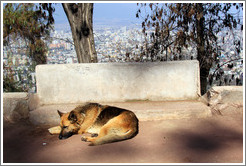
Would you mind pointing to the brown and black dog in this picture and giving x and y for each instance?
(106, 124)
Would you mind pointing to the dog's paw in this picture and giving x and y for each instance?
(55, 130)
(84, 139)
(94, 135)
(92, 144)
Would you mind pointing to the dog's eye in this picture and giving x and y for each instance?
(64, 127)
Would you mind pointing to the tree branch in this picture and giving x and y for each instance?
(225, 64)
(66, 40)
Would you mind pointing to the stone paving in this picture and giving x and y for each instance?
(210, 130)
(215, 139)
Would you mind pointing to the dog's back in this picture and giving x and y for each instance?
(112, 124)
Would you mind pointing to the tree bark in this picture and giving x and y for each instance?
(201, 54)
(80, 17)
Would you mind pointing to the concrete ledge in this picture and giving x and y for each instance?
(47, 114)
(145, 110)
(154, 110)
(15, 95)
(117, 82)
(15, 106)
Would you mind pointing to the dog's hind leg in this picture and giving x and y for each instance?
(111, 137)
(117, 129)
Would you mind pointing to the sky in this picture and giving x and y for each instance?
(112, 13)
(105, 13)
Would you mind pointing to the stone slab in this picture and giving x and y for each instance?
(117, 82)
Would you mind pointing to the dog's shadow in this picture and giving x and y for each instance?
(112, 151)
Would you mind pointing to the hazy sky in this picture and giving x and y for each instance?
(104, 12)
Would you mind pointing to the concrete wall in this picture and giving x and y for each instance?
(117, 82)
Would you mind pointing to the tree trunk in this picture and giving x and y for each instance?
(80, 19)
(201, 54)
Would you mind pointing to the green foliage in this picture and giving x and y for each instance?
(26, 27)
(9, 85)
(33, 25)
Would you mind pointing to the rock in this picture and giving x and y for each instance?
(15, 107)
(224, 100)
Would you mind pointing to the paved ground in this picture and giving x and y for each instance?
(217, 139)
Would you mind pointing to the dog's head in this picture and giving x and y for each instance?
(69, 124)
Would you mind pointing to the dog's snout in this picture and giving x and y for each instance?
(60, 137)
(65, 136)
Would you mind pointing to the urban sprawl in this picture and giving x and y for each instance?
(113, 44)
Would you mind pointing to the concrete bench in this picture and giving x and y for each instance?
(144, 88)
(153, 91)
(117, 82)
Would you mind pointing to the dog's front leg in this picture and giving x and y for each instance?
(85, 126)
(81, 131)
(88, 138)
(55, 130)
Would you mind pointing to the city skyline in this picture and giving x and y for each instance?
(114, 42)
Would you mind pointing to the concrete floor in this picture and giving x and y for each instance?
(216, 139)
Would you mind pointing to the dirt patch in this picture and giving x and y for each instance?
(218, 139)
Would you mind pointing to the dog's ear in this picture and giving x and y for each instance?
(83, 114)
(72, 117)
(60, 113)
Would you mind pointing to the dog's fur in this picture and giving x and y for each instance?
(105, 123)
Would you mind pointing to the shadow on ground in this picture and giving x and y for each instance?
(209, 141)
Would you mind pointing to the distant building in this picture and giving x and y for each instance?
(69, 60)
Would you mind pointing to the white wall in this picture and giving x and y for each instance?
(117, 82)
